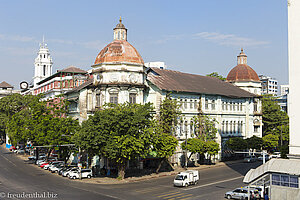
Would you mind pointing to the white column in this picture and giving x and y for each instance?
(294, 74)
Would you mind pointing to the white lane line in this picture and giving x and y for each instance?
(8, 160)
(96, 192)
(200, 186)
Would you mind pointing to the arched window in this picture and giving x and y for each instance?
(213, 104)
(206, 104)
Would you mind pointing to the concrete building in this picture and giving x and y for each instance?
(280, 177)
(120, 75)
(284, 90)
(269, 85)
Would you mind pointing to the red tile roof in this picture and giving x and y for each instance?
(242, 72)
(119, 51)
(4, 84)
(72, 69)
(176, 81)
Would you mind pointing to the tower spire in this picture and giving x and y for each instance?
(120, 32)
(242, 58)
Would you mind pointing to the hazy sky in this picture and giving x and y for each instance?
(194, 36)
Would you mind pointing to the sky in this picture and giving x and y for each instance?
(192, 36)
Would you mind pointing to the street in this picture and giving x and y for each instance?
(18, 176)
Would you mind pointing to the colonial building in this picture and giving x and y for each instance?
(119, 75)
(243, 76)
(49, 84)
(6, 89)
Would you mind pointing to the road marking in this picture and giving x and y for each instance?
(147, 190)
(96, 192)
(9, 160)
(168, 194)
(200, 186)
(177, 196)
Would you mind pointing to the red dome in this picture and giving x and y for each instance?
(242, 72)
(119, 51)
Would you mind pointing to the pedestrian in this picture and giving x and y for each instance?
(266, 197)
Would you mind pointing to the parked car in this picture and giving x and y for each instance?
(20, 151)
(275, 155)
(34, 157)
(267, 157)
(249, 159)
(66, 168)
(66, 173)
(12, 148)
(51, 163)
(54, 164)
(85, 173)
(186, 178)
(56, 168)
(238, 193)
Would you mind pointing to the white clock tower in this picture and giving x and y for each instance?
(43, 64)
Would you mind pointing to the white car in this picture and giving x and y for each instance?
(66, 173)
(54, 167)
(52, 164)
(85, 173)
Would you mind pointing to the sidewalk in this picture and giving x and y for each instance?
(108, 180)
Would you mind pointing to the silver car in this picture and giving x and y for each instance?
(238, 193)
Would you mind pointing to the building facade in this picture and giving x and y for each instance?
(6, 89)
(120, 75)
(269, 85)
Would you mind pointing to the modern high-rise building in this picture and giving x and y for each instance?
(269, 85)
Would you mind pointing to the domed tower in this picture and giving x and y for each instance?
(244, 76)
(119, 70)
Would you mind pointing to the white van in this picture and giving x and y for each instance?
(186, 178)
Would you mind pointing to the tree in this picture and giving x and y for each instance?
(273, 117)
(164, 144)
(212, 148)
(204, 127)
(194, 145)
(276, 123)
(169, 114)
(40, 123)
(270, 142)
(254, 142)
(119, 132)
(216, 75)
(236, 144)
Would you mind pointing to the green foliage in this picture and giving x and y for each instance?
(41, 124)
(216, 75)
(194, 145)
(169, 113)
(204, 127)
(120, 132)
(163, 143)
(212, 147)
(270, 142)
(236, 144)
(254, 142)
(274, 118)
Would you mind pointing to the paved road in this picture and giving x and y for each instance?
(17, 176)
